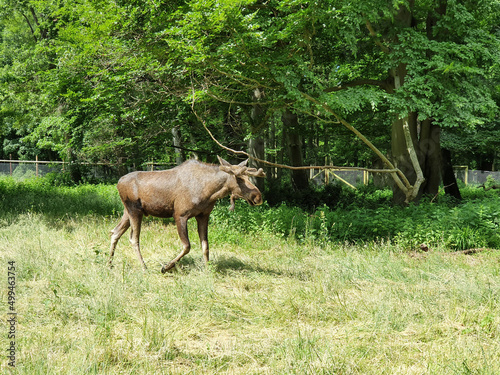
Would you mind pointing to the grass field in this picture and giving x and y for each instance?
(266, 304)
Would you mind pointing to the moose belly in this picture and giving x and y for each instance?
(158, 209)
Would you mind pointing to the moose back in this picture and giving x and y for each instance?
(188, 190)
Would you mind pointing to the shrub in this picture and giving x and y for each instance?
(359, 217)
(458, 226)
(38, 195)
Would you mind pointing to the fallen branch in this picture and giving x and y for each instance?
(489, 187)
(470, 251)
(435, 196)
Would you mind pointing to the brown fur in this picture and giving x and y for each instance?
(189, 190)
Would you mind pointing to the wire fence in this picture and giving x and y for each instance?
(474, 177)
(22, 169)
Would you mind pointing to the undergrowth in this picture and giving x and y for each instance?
(358, 217)
(441, 223)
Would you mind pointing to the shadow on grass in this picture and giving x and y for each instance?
(230, 265)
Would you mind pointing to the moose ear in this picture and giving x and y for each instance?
(222, 161)
(243, 163)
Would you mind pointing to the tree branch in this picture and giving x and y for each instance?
(284, 166)
(43, 32)
(414, 161)
(376, 39)
(31, 27)
(385, 85)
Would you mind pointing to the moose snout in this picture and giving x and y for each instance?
(255, 199)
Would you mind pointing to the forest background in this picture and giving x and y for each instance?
(407, 86)
(352, 285)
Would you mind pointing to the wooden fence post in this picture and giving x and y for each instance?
(36, 165)
(10, 164)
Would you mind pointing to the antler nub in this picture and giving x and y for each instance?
(255, 173)
(240, 169)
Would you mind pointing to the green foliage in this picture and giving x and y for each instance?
(457, 226)
(38, 195)
(110, 80)
(359, 217)
(331, 195)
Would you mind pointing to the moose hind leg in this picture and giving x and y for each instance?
(203, 233)
(183, 234)
(135, 223)
(116, 233)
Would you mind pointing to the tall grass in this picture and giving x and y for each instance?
(264, 305)
(275, 299)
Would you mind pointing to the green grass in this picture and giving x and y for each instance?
(266, 304)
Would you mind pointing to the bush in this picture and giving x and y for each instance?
(38, 195)
(445, 223)
(356, 217)
(332, 195)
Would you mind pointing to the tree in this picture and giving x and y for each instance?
(116, 80)
(86, 82)
(427, 63)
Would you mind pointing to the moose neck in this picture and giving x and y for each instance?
(225, 185)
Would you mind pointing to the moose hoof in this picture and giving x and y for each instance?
(167, 267)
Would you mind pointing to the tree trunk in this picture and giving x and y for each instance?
(256, 149)
(300, 179)
(404, 135)
(400, 155)
(271, 144)
(426, 144)
(449, 179)
(430, 149)
(256, 143)
(176, 137)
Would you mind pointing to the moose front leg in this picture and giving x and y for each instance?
(183, 234)
(203, 233)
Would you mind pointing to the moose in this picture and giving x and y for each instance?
(188, 190)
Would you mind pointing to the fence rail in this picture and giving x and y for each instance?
(38, 168)
(101, 171)
(12, 165)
